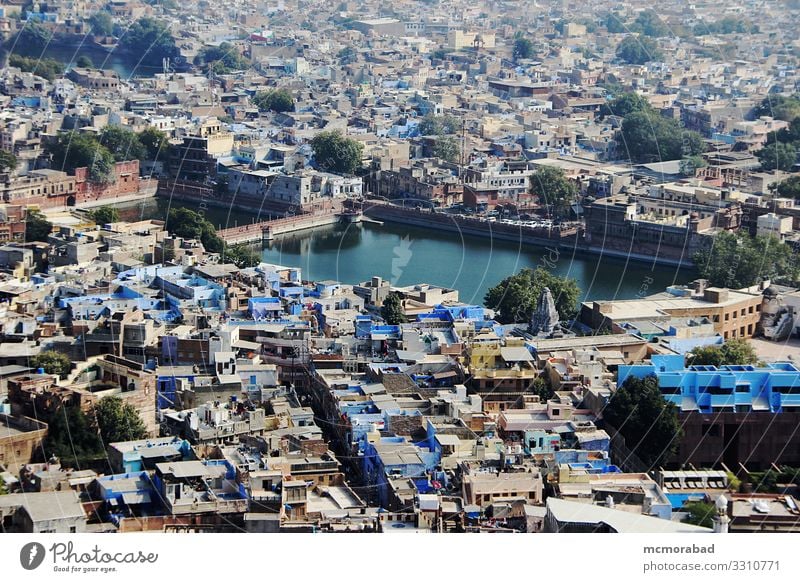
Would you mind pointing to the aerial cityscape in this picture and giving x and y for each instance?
(508, 266)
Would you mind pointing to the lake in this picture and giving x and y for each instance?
(407, 255)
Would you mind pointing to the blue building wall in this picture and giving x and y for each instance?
(771, 388)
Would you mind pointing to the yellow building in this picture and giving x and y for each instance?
(502, 370)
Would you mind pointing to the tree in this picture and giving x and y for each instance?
(648, 137)
(438, 125)
(72, 438)
(789, 134)
(446, 148)
(118, 420)
(72, 150)
(346, 55)
(557, 192)
(84, 62)
(649, 423)
(333, 152)
(614, 23)
(49, 69)
(8, 162)
(734, 352)
(189, 224)
(392, 310)
(690, 164)
(514, 299)
(52, 362)
(105, 215)
(523, 49)
(243, 256)
(147, 42)
(779, 106)
(31, 40)
(700, 513)
(739, 260)
(790, 187)
(101, 23)
(649, 24)
(155, 143)
(638, 50)
(625, 104)
(542, 388)
(37, 227)
(221, 59)
(277, 100)
(777, 156)
(123, 143)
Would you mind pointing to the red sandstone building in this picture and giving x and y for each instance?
(53, 188)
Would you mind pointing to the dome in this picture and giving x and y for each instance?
(770, 292)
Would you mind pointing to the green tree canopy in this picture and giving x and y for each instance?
(514, 299)
(276, 100)
(638, 50)
(37, 227)
(734, 352)
(101, 23)
(147, 42)
(118, 420)
(243, 256)
(105, 215)
(779, 106)
(72, 438)
(555, 191)
(700, 513)
(392, 310)
(648, 137)
(155, 143)
(84, 61)
(739, 260)
(789, 134)
(333, 152)
(690, 164)
(49, 69)
(625, 104)
(523, 49)
(614, 23)
(789, 188)
(8, 161)
(446, 148)
(31, 40)
(221, 59)
(439, 125)
(726, 25)
(650, 24)
(346, 55)
(777, 156)
(71, 150)
(123, 143)
(53, 362)
(189, 224)
(649, 423)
